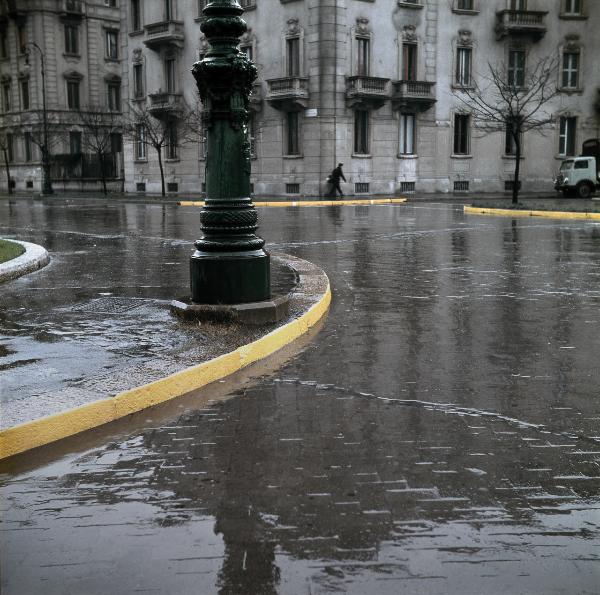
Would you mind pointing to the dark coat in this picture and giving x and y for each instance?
(336, 174)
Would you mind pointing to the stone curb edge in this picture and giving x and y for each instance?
(530, 213)
(35, 257)
(40, 432)
(310, 203)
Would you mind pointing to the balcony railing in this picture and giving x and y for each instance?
(74, 6)
(418, 95)
(370, 91)
(164, 33)
(288, 92)
(521, 22)
(165, 104)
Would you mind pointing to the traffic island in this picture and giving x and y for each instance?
(32, 259)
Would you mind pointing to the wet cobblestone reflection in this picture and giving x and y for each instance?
(440, 435)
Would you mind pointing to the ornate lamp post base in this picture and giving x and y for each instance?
(230, 277)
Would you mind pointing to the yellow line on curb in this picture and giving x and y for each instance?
(23, 437)
(310, 203)
(528, 213)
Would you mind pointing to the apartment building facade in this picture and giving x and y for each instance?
(77, 45)
(374, 84)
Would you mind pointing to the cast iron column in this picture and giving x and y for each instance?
(229, 265)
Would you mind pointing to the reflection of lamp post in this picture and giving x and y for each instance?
(229, 265)
(46, 183)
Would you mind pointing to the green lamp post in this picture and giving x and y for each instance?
(229, 264)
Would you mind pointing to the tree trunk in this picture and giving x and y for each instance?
(102, 172)
(162, 173)
(517, 139)
(7, 165)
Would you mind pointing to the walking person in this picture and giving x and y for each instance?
(335, 176)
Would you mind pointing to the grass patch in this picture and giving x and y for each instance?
(9, 250)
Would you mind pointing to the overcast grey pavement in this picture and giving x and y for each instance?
(440, 434)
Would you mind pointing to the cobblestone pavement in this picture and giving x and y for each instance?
(439, 435)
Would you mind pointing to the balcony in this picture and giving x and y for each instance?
(521, 23)
(288, 93)
(166, 105)
(165, 33)
(413, 95)
(367, 92)
(256, 98)
(72, 9)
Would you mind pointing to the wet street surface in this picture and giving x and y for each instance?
(441, 434)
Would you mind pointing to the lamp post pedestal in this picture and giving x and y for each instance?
(229, 265)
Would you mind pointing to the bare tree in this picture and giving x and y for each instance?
(516, 106)
(161, 134)
(4, 148)
(100, 128)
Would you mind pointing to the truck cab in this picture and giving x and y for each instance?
(580, 175)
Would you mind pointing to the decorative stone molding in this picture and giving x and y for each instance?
(572, 41)
(409, 34)
(465, 38)
(137, 56)
(293, 27)
(362, 26)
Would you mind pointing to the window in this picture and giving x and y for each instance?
(363, 46)
(3, 44)
(73, 94)
(74, 142)
(22, 37)
(251, 134)
(140, 141)
(28, 147)
(6, 96)
(170, 75)
(361, 132)
(582, 164)
(572, 7)
(292, 133)
(171, 140)
(518, 4)
(247, 51)
(464, 4)
(570, 70)
(463, 66)
(407, 134)
(71, 39)
(10, 146)
(112, 45)
(409, 62)
(25, 94)
(114, 96)
(510, 146)
(566, 139)
(461, 134)
(136, 15)
(516, 68)
(292, 45)
(168, 10)
(110, 2)
(138, 81)
(116, 142)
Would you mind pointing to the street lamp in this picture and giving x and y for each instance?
(229, 265)
(46, 182)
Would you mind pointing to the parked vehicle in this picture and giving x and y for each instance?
(580, 176)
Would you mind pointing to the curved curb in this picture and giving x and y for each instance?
(310, 203)
(529, 213)
(46, 430)
(35, 257)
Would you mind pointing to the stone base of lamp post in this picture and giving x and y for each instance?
(230, 277)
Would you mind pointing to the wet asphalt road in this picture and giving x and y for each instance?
(441, 434)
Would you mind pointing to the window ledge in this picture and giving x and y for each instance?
(465, 11)
(459, 87)
(572, 17)
(512, 157)
(402, 4)
(172, 160)
(140, 160)
(293, 156)
(361, 156)
(69, 56)
(408, 156)
(453, 156)
(570, 91)
(113, 60)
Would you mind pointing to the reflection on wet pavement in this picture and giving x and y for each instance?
(440, 435)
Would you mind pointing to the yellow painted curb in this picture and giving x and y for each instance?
(310, 203)
(528, 213)
(23, 437)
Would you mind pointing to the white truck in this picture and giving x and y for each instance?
(580, 176)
